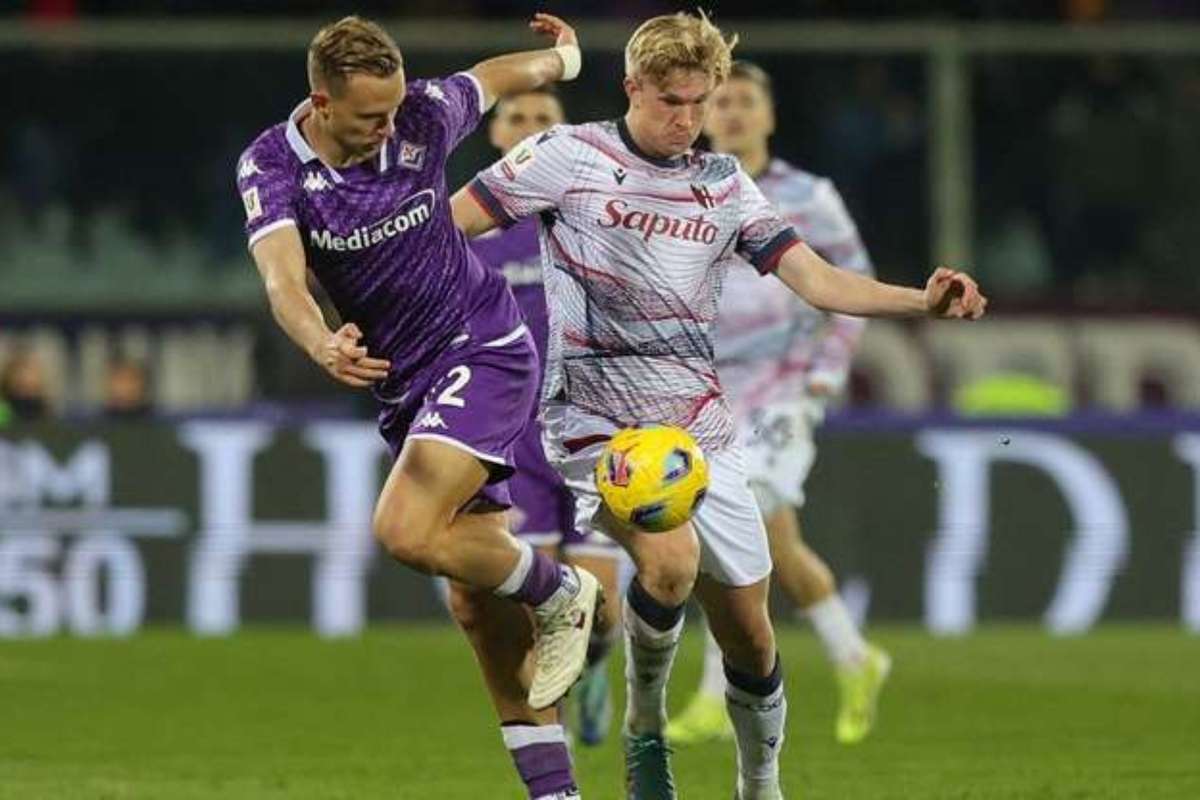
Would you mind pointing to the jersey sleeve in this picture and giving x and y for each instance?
(833, 234)
(457, 100)
(763, 235)
(267, 190)
(532, 177)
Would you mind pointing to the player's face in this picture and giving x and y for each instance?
(362, 116)
(742, 118)
(522, 116)
(669, 116)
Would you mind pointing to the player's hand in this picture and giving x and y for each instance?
(550, 25)
(346, 360)
(953, 295)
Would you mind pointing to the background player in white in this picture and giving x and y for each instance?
(352, 186)
(638, 233)
(543, 508)
(780, 360)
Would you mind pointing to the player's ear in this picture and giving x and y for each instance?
(632, 88)
(319, 99)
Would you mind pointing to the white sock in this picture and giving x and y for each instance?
(844, 644)
(649, 654)
(712, 680)
(758, 724)
(519, 572)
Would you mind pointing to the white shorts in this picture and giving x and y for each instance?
(733, 539)
(778, 440)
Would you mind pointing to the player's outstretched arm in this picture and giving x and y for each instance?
(948, 293)
(279, 257)
(515, 73)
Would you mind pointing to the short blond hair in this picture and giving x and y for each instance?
(679, 41)
(352, 45)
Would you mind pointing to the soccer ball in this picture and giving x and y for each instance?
(652, 478)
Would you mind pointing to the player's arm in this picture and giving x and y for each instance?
(469, 214)
(279, 257)
(948, 293)
(515, 73)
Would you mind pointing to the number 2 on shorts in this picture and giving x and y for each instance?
(460, 376)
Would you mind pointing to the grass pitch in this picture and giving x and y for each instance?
(1005, 713)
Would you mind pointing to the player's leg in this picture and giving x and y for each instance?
(502, 634)
(704, 718)
(735, 568)
(652, 612)
(652, 623)
(592, 709)
(446, 468)
(861, 668)
(754, 693)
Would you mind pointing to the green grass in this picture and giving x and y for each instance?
(1006, 713)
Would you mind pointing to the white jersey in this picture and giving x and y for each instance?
(769, 341)
(635, 250)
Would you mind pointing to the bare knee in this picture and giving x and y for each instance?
(406, 539)
(669, 574)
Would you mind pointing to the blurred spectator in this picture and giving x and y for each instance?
(126, 394)
(1107, 150)
(1013, 259)
(23, 387)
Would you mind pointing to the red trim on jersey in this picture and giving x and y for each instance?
(767, 259)
(488, 202)
(573, 446)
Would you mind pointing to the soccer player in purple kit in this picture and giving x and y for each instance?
(352, 187)
(543, 505)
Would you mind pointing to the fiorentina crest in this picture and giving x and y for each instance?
(412, 155)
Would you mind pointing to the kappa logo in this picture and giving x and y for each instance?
(412, 155)
(248, 169)
(703, 196)
(430, 419)
(315, 182)
(434, 91)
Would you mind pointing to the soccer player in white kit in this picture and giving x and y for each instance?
(638, 231)
(780, 360)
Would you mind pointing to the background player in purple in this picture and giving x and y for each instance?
(543, 508)
(352, 187)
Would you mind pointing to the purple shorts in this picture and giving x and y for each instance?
(543, 506)
(475, 396)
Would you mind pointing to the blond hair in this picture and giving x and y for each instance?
(678, 41)
(352, 45)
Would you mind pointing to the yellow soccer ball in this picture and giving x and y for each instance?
(652, 478)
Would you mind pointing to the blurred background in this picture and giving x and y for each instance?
(172, 467)
(151, 411)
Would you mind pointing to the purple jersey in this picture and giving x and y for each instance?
(515, 253)
(379, 235)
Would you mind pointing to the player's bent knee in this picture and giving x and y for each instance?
(669, 582)
(405, 540)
